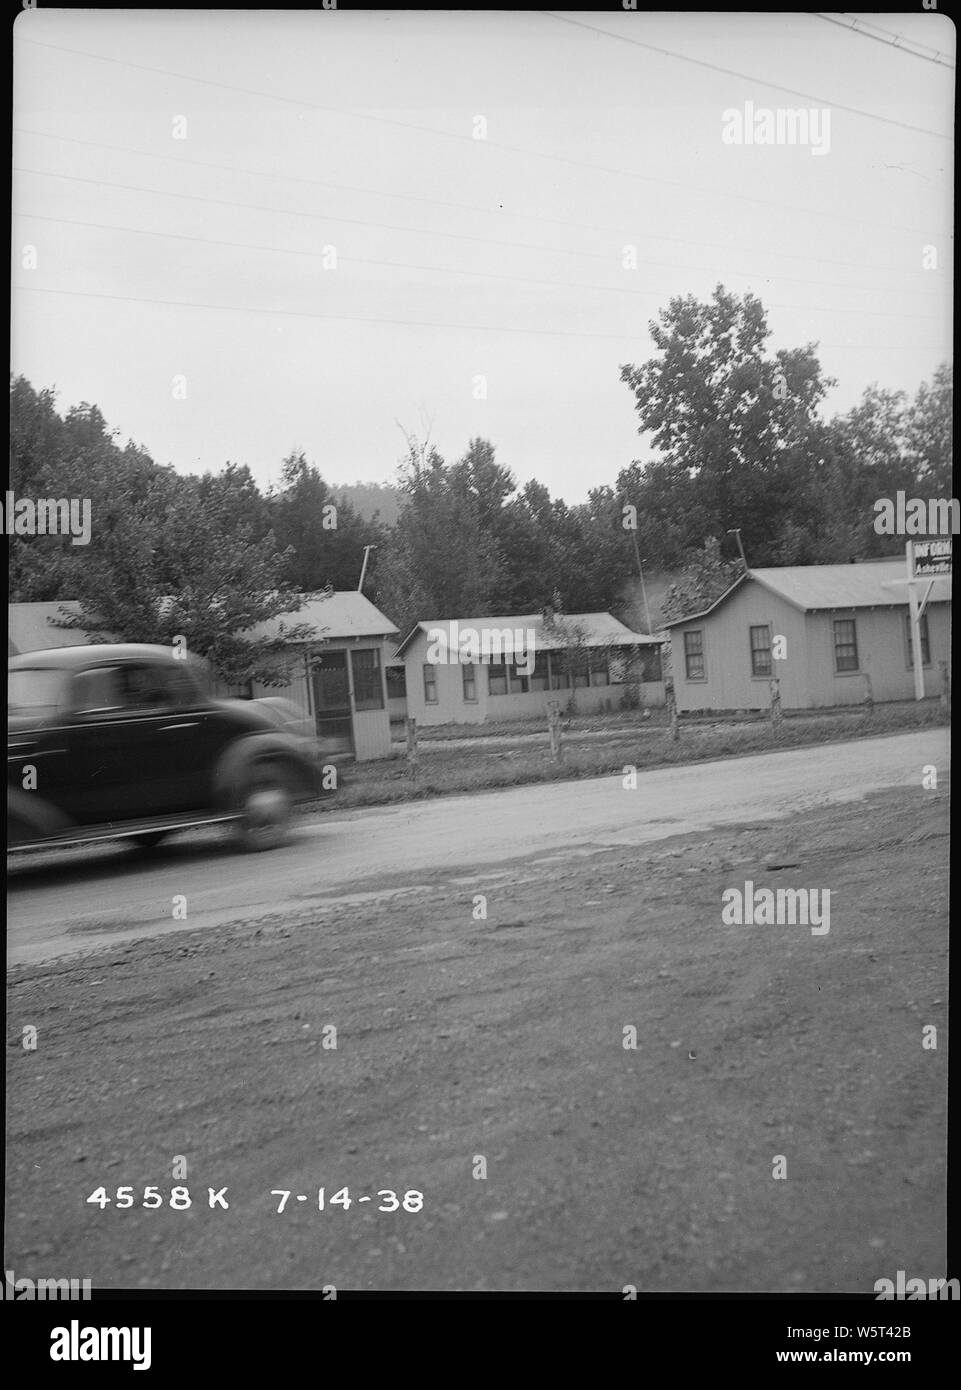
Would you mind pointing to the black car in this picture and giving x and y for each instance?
(121, 741)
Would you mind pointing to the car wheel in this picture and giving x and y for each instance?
(265, 810)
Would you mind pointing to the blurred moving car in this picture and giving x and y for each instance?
(121, 741)
(287, 715)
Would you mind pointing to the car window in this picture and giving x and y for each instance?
(133, 686)
(98, 689)
(147, 687)
(37, 691)
(182, 685)
(164, 685)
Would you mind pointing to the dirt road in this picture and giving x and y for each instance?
(469, 1045)
(98, 896)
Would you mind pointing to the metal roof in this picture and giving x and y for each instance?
(873, 584)
(596, 630)
(29, 627)
(340, 615)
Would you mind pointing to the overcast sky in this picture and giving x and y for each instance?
(457, 258)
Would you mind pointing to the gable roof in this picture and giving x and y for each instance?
(812, 588)
(341, 615)
(599, 629)
(30, 629)
(345, 614)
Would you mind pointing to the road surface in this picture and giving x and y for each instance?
(592, 1083)
(82, 899)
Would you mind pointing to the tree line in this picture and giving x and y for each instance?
(736, 443)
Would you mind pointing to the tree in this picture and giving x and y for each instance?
(736, 431)
(571, 651)
(438, 561)
(929, 433)
(168, 555)
(705, 577)
(322, 538)
(184, 562)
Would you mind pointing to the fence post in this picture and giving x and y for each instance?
(672, 710)
(554, 730)
(412, 765)
(776, 714)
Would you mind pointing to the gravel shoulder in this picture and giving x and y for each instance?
(460, 1039)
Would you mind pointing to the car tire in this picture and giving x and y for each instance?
(266, 806)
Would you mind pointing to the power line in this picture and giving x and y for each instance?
(747, 77)
(333, 318)
(417, 231)
(860, 26)
(439, 202)
(516, 279)
(314, 216)
(492, 144)
(397, 323)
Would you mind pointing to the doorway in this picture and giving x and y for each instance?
(331, 694)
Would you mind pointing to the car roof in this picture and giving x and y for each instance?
(75, 658)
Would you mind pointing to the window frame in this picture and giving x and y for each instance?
(372, 676)
(854, 670)
(541, 672)
(652, 658)
(430, 683)
(497, 670)
(559, 677)
(755, 651)
(697, 632)
(518, 683)
(115, 669)
(598, 665)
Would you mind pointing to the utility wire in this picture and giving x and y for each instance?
(346, 221)
(747, 77)
(381, 322)
(516, 279)
(443, 203)
(861, 26)
(492, 144)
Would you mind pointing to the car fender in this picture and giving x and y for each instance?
(30, 817)
(236, 761)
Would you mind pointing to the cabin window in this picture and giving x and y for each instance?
(368, 685)
(694, 655)
(845, 645)
(600, 669)
(651, 664)
(430, 683)
(497, 676)
(396, 682)
(469, 678)
(560, 680)
(540, 678)
(519, 680)
(761, 650)
(580, 669)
